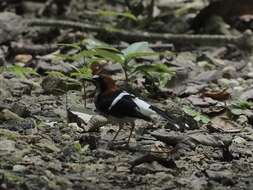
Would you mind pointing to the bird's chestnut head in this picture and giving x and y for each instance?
(103, 83)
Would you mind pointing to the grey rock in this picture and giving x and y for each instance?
(11, 25)
(228, 82)
(26, 126)
(20, 109)
(58, 85)
(3, 53)
(48, 146)
(229, 72)
(103, 153)
(7, 115)
(247, 95)
(19, 168)
(4, 89)
(208, 76)
(14, 87)
(60, 66)
(7, 146)
(223, 177)
(250, 75)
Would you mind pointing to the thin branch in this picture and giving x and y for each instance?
(243, 41)
(151, 9)
(33, 49)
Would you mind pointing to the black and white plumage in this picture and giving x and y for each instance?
(114, 102)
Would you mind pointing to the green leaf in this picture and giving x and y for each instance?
(164, 78)
(116, 14)
(92, 43)
(102, 53)
(197, 116)
(137, 47)
(20, 71)
(236, 111)
(204, 119)
(158, 67)
(140, 54)
(108, 48)
(159, 72)
(242, 104)
(188, 110)
(82, 73)
(77, 146)
(109, 55)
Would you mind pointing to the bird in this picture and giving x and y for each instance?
(123, 107)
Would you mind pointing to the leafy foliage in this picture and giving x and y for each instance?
(239, 107)
(158, 71)
(242, 104)
(19, 71)
(96, 50)
(82, 73)
(196, 115)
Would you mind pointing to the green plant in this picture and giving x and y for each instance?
(97, 50)
(19, 71)
(196, 115)
(158, 71)
(238, 107)
(81, 74)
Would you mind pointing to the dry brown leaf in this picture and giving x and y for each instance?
(217, 95)
(224, 124)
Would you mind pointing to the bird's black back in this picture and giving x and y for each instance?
(125, 107)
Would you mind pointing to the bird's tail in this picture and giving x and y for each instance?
(170, 118)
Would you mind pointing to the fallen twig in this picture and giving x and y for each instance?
(33, 49)
(244, 41)
(169, 163)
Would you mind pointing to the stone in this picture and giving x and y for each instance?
(228, 82)
(6, 115)
(239, 140)
(48, 145)
(23, 58)
(229, 72)
(250, 75)
(7, 146)
(223, 177)
(4, 90)
(11, 25)
(208, 76)
(59, 85)
(247, 95)
(19, 168)
(3, 53)
(20, 109)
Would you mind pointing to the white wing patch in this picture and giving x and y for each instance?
(144, 107)
(115, 101)
(95, 76)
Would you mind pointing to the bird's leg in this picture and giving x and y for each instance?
(115, 136)
(132, 128)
